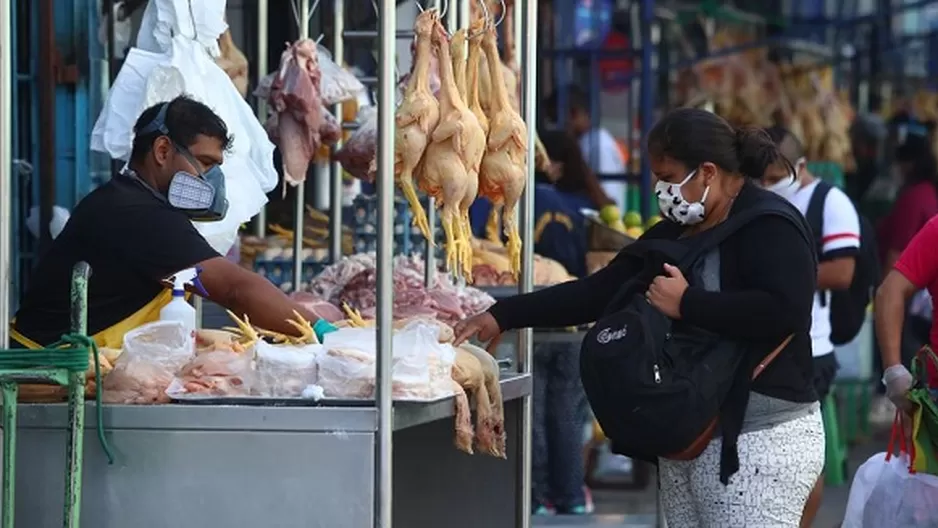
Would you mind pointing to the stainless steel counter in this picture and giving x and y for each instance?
(234, 466)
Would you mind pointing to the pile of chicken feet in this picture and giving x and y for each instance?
(453, 147)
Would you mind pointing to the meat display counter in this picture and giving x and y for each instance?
(285, 467)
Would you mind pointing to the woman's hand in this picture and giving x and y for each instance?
(483, 326)
(666, 291)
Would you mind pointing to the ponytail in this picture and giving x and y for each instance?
(756, 152)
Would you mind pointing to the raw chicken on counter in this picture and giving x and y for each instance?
(216, 373)
(352, 281)
(451, 163)
(491, 267)
(416, 117)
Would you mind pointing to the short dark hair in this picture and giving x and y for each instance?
(694, 136)
(185, 119)
(788, 144)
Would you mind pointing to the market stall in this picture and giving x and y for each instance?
(216, 448)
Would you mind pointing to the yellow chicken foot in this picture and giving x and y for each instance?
(491, 226)
(453, 239)
(514, 242)
(420, 215)
(467, 255)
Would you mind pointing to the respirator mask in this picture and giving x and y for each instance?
(200, 196)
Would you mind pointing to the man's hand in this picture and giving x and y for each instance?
(666, 291)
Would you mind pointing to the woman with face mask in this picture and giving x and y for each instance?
(765, 274)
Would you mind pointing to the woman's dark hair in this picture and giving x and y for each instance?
(562, 148)
(694, 136)
(916, 150)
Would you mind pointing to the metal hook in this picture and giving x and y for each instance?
(419, 7)
(444, 10)
(486, 17)
(504, 13)
(309, 16)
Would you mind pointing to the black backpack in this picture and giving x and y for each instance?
(847, 307)
(657, 387)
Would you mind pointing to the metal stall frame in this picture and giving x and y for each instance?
(7, 78)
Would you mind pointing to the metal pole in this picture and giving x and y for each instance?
(260, 228)
(387, 30)
(335, 169)
(6, 164)
(647, 94)
(299, 210)
(526, 284)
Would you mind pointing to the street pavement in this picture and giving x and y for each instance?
(637, 509)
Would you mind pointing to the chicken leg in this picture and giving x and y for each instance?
(504, 167)
(460, 67)
(416, 117)
(453, 156)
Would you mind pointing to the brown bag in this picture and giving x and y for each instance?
(697, 446)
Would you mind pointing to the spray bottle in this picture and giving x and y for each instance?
(178, 309)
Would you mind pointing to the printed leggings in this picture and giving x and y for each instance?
(777, 470)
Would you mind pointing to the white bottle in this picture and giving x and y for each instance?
(178, 309)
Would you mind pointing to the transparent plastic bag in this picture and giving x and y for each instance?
(338, 84)
(152, 355)
(357, 155)
(214, 374)
(285, 371)
(347, 369)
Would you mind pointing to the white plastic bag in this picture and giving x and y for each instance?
(347, 369)
(200, 20)
(285, 371)
(337, 84)
(152, 355)
(884, 493)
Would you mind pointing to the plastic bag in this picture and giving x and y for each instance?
(338, 84)
(152, 354)
(357, 155)
(285, 371)
(347, 369)
(214, 374)
(898, 498)
(123, 28)
(202, 21)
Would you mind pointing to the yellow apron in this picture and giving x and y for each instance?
(113, 336)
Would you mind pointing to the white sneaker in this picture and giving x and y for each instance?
(882, 412)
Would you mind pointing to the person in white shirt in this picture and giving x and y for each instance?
(840, 245)
(599, 147)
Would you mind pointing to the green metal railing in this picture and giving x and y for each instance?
(62, 363)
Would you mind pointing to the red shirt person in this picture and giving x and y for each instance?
(916, 269)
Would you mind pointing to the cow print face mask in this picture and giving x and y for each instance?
(675, 207)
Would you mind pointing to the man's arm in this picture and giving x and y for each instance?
(247, 293)
(840, 242)
(891, 299)
(916, 268)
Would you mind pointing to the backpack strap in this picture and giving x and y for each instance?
(715, 236)
(814, 214)
(771, 357)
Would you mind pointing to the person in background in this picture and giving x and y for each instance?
(917, 202)
(868, 134)
(914, 270)
(597, 144)
(840, 244)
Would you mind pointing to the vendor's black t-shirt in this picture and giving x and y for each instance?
(131, 239)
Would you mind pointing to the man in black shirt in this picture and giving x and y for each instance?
(134, 237)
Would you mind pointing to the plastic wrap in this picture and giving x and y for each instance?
(884, 493)
(152, 354)
(159, 70)
(214, 374)
(357, 155)
(420, 367)
(285, 371)
(338, 84)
